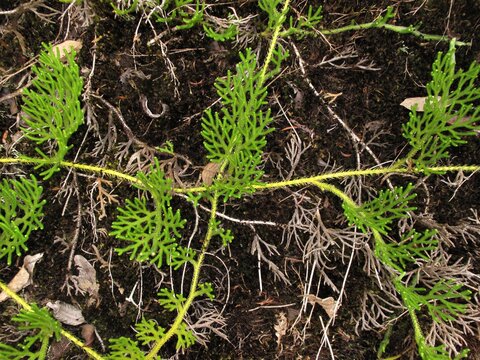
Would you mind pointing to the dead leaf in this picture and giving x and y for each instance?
(209, 172)
(331, 97)
(66, 313)
(280, 327)
(23, 277)
(58, 349)
(409, 103)
(461, 120)
(328, 304)
(66, 47)
(86, 280)
(104, 196)
(88, 334)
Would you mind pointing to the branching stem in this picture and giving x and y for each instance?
(193, 286)
(271, 185)
(92, 353)
(379, 244)
(273, 42)
(411, 30)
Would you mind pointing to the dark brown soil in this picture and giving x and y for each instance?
(388, 68)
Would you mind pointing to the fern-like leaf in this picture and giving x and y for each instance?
(21, 211)
(152, 234)
(41, 327)
(449, 114)
(414, 246)
(170, 300)
(222, 34)
(235, 137)
(305, 24)
(178, 10)
(38, 319)
(380, 212)
(52, 106)
(205, 289)
(271, 7)
(149, 332)
(124, 348)
(225, 234)
(445, 301)
(185, 337)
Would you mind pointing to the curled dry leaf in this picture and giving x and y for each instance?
(66, 47)
(23, 277)
(409, 103)
(66, 313)
(58, 349)
(209, 172)
(280, 327)
(86, 280)
(328, 304)
(88, 334)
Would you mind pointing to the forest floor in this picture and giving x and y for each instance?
(139, 96)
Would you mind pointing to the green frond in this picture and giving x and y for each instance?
(298, 26)
(450, 112)
(235, 136)
(125, 348)
(122, 11)
(380, 212)
(217, 230)
(152, 234)
(305, 24)
(411, 248)
(428, 352)
(205, 289)
(52, 106)
(190, 20)
(279, 55)
(440, 352)
(221, 34)
(8, 352)
(176, 11)
(170, 300)
(148, 331)
(41, 327)
(445, 301)
(38, 319)
(21, 211)
(157, 184)
(271, 7)
(185, 337)
(167, 148)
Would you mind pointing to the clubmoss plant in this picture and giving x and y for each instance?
(21, 212)
(52, 106)
(149, 229)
